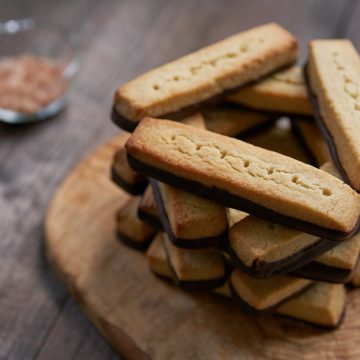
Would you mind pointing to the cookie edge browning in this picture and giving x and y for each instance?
(270, 309)
(324, 130)
(194, 285)
(344, 169)
(199, 243)
(227, 199)
(259, 96)
(125, 238)
(273, 59)
(317, 325)
(137, 188)
(262, 269)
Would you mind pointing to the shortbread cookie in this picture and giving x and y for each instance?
(334, 78)
(196, 120)
(189, 220)
(279, 138)
(309, 136)
(122, 174)
(157, 259)
(242, 176)
(129, 229)
(223, 290)
(322, 304)
(234, 216)
(232, 120)
(263, 249)
(205, 76)
(355, 279)
(159, 265)
(282, 92)
(200, 269)
(266, 294)
(128, 179)
(336, 265)
(148, 211)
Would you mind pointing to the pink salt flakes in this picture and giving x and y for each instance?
(28, 83)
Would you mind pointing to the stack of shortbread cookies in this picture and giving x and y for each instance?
(243, 170)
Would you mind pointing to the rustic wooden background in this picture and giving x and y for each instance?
(120, 39)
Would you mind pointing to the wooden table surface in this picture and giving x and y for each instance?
(120, 39)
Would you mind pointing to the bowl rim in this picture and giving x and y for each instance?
(16, 26)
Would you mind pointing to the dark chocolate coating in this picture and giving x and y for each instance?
(197, 285)
(130, 125)
(262, 269)
(321, 272)
(141, 246)
(137, 188)
(244, 305)
(229, 200)
(150, 219)
(179, 242)
(324, 130)
(317, 326)
(251, 310)
(201, 285)
(121, 121)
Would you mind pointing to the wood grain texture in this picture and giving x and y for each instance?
(76, 338)
(120, 39)
(144, 317)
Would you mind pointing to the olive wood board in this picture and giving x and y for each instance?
(144, 317)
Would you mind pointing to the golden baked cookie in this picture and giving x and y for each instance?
(205, 75)
(334, 80)
(322, 304)
(243, 176)
(282, 92)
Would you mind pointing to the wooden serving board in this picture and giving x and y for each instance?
(144, 317)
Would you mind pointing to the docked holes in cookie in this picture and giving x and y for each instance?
(346, 79)
(295, 179)
(156, 87)
(231, 55)
(270, 170)
(246, 163)
(244, 48)
(327, 192)
(352, 90)
(194, 69)
(213, 62)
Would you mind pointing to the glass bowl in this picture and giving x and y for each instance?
(37, 64)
